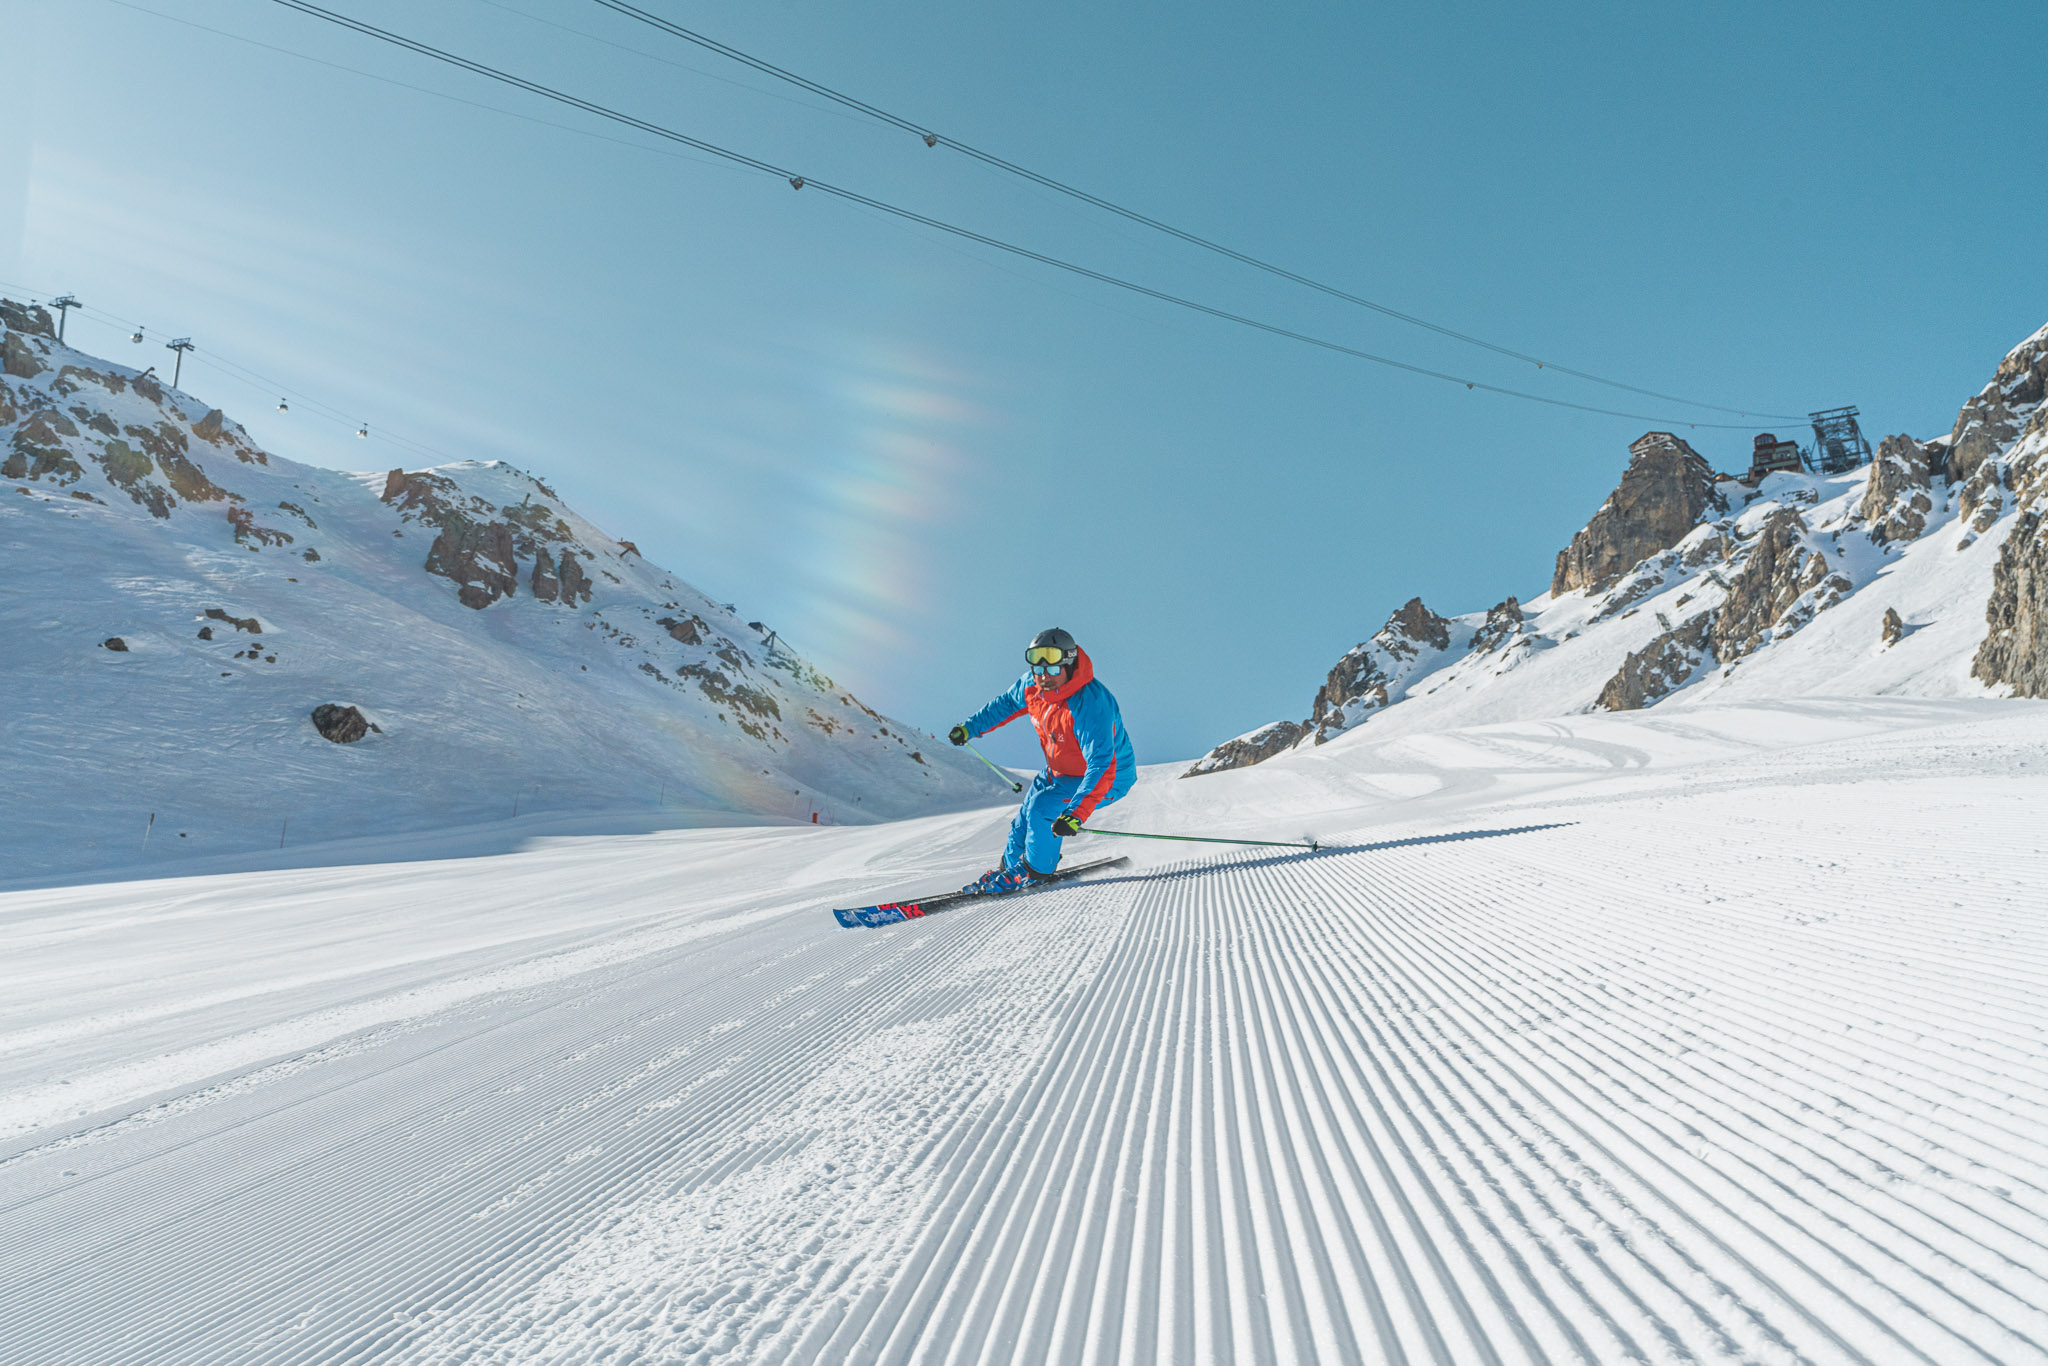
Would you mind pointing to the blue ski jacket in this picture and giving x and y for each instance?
(1080, 728)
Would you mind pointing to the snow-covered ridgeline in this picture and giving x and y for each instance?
(1923, 574)
(180, 602)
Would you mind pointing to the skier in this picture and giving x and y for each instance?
(1088, 757)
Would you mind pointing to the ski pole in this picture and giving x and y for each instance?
(1311, 845)
(1015, 786)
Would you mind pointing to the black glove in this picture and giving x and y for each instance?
(958, 735)
(1068, 824)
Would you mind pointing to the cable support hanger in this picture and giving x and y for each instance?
(935, 139)
(802, 182)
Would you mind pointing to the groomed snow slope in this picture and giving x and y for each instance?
(1702, 1034)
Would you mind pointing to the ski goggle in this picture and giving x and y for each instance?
(1045, 654)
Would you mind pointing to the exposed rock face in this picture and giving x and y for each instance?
(691, 630)
(1246, 750)
(1768, 597)
(480, 544)
(1893, 629)
(2015, 653)
(1660, 668)
(30, 318)
(575, 586)
(216, 430)
(478, 556)
(343, 725)
(1364, 679)
(1784, 580)
(1992, 420)
(37, 451)
(545, 586)
(1663, 494)
(20, 357)
(249, 624)
(1896, 501)
(2015, 649)
(1414, 625)
(1982, 501)
(249, 532)
(1503, 621)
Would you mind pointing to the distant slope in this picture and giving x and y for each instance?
(1922, 574)
(180, 602)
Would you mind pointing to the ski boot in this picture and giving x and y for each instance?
(998, 880)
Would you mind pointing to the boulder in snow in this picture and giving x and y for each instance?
(343, 725)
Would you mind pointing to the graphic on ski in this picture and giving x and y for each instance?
(893, 912)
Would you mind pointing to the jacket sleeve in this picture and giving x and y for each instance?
(1096, 726)
(1006, 707)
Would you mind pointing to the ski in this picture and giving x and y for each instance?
(894, 912)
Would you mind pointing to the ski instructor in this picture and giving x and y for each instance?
(1088, 757)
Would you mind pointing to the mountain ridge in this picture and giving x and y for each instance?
(1926, 572)
(183, 601)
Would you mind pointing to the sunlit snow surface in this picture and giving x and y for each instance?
(1705, 1034)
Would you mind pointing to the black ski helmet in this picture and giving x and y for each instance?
(1054, 638)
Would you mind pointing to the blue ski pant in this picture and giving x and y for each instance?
(1031, 838)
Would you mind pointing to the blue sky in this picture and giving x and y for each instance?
(907, 453)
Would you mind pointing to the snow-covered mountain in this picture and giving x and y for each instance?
(1924, 573)
(259, 651)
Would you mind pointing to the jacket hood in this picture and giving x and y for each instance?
(1084, 674)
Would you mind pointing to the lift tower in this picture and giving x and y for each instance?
(1838, 443)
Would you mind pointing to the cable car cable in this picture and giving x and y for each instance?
(936, 139)
(801, 182)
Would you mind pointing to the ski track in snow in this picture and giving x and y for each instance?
(1742, 1060)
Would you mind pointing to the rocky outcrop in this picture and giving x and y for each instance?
(2015, 653)
(1992, 420)
(249, 532)
(1260, 745)
(1896, 501)
(1660, 668)
(1366, 677)
(1781, 584)
(478, 556)
(1982, 501)
(1503, 623)
(32, 319)
(20, 357)
(1413, 626)
(343, 725)
(216, 430)
(691, 630)
(479, 544)
(1665, 492)
(249, 624)
(1893, 628)
(575, 585)
(128, 469)
(1784, 580)
(544, 585)
(37, 450)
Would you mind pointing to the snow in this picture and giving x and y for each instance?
(1571, 645)
(578, 713)
(1712, 1032)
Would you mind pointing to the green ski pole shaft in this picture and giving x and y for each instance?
(1311, 846)
(1015, 786)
